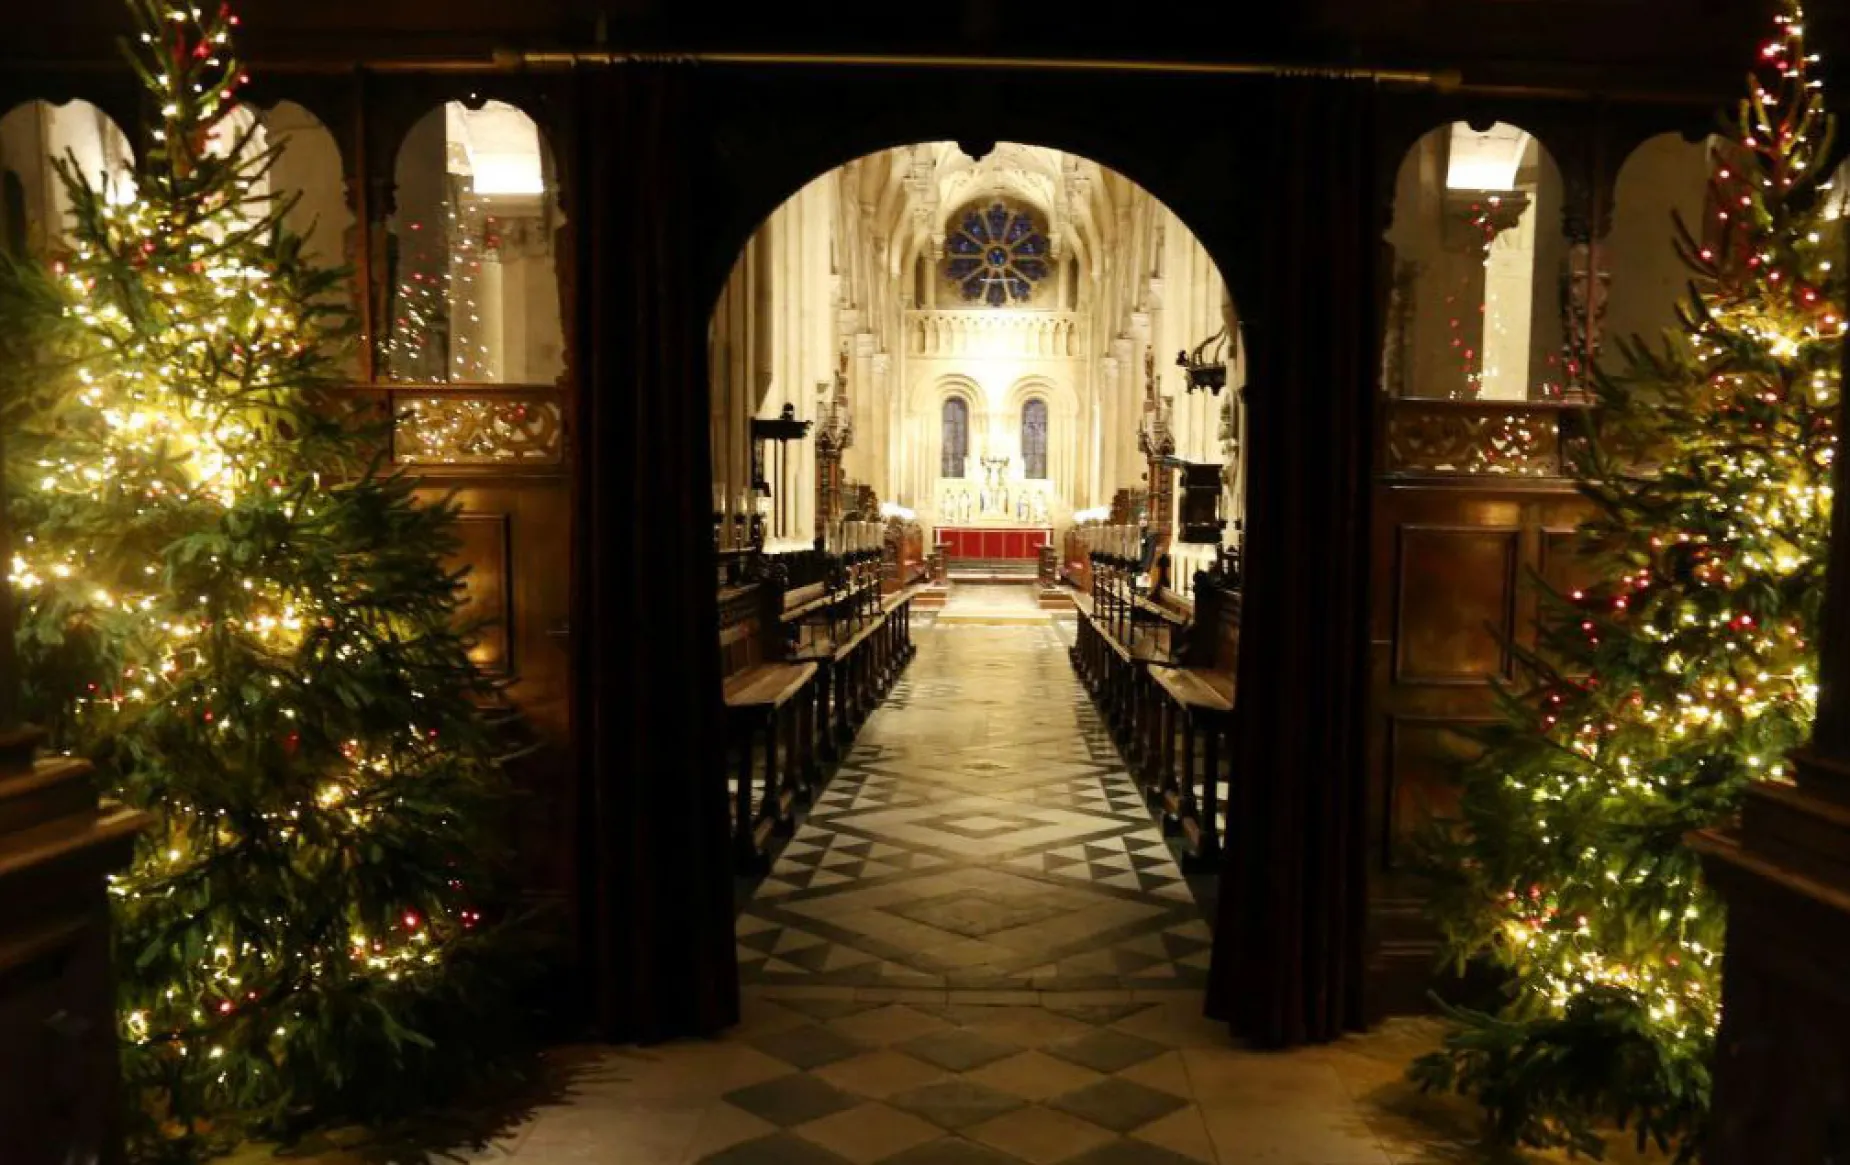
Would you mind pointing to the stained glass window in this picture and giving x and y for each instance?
(956, 438)
(1034, 438)
(996, 255)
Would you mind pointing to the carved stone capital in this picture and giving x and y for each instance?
(864, 345)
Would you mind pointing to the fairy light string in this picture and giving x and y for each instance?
(1687, 672)
(229, 628)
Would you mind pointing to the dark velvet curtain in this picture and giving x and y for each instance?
(1288, 949)
(656, 887)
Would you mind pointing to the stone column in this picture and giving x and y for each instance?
(886, 478)
(1782, 1066)
(1131, 388)
(864, 454)
(1111, 409)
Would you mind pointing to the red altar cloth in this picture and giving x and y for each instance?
(993, 542)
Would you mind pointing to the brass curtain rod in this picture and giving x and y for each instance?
(516, 60)
(1442, 79)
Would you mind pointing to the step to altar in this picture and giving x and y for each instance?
(1007, 604)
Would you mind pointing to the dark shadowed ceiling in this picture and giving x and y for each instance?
(1604, 46)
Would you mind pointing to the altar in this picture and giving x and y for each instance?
(993, 543)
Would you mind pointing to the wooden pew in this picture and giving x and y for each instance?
(1197, 700)
(858, 638)
(1120, 633)
(769, 697)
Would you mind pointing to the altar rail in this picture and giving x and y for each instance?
(1051, 335)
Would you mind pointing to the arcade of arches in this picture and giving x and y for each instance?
(984, 427)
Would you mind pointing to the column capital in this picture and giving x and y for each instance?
(882, 365)
(1140, 326)
(864, 344)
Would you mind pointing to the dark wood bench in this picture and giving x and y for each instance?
(857, 638)
(1196, 699)
(770, 715)
(1120, 634)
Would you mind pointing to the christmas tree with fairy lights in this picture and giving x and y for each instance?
(252, 636)
(1659, 694)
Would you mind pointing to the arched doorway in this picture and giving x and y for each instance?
(975, 355)
(673, 208)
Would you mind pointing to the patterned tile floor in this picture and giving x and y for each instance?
(977, 951)
(981, 834)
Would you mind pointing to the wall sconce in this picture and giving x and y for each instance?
(1206, 365)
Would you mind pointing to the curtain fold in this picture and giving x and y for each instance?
(656, 874)
(1289, 944)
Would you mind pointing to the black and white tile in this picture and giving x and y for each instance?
(981, 834)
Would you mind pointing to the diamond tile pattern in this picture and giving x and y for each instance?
(982, 833)
(978, 951)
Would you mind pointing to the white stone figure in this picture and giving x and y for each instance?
(1021, 507)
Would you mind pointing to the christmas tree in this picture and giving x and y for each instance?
(250, 631)
(1658, 694)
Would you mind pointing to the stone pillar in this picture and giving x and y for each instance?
(1782, 1066)
(1131, 388)
(861, 392)
(886, 475)
(1111, 409)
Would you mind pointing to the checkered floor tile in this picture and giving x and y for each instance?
(982, 833)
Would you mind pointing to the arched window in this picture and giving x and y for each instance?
(34, 133)
(956, 438)
(471, 291)
(1475, 310)
(996, 255)
(1034, 438)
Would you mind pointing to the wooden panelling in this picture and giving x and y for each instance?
(516, 538)
(487, 594)
(1456, 588)
(1453, 562)
(1424, 756)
